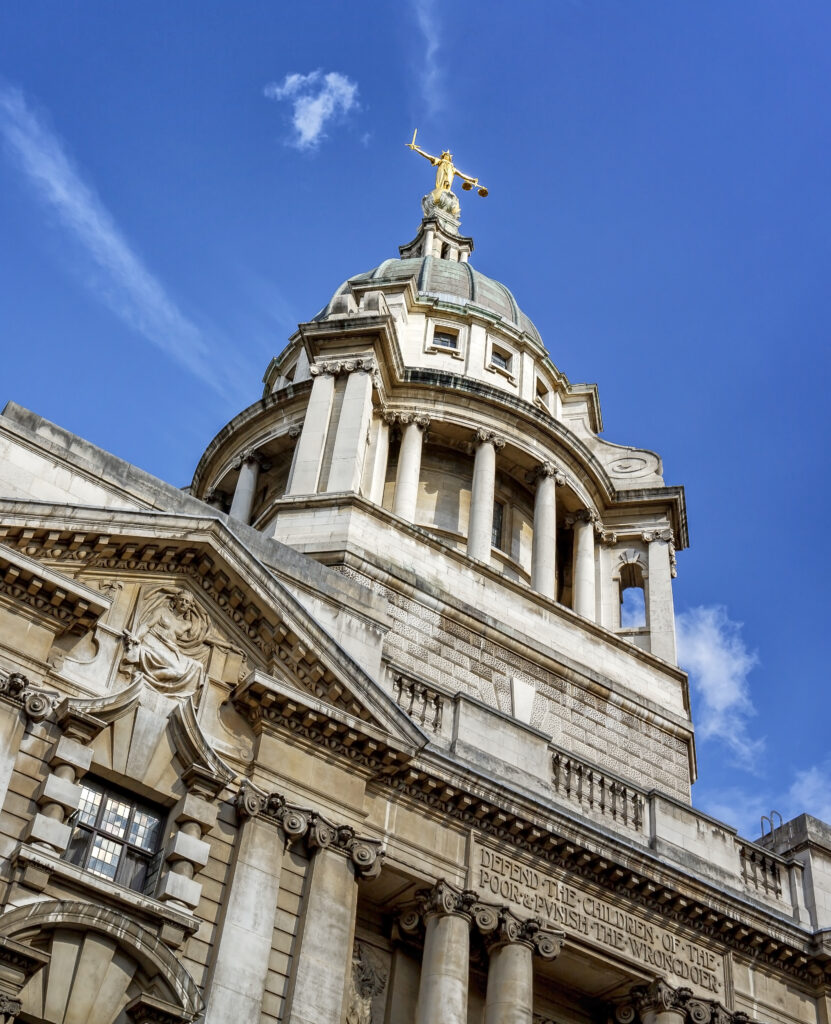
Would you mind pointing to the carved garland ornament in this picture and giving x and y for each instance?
(337, 367)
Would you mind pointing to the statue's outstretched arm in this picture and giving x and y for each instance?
(466, 177)
(420, 151)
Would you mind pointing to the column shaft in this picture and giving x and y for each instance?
(327, 932)
(409, 471)
(306, 472)
(350, 441)
(584, 572)
(235, 991)
(243, 501)
(510, 996)
(445, 965)
(378, 476)
(543, 552)
(480, 526)
(660, 612)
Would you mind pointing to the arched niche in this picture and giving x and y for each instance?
(101, 964)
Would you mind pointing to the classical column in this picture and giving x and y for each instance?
(327, 930)
(583, 571)
(660, 614)
(511, 947)
(445, 964)
(377, 477)
(659, 1003)
(249, 909)
(480, 523)
(544, 546)
(409, 464)
(353, 424)
(243, 501)
(309, 453)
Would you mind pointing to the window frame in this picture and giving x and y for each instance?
(132, 853)
(445, 327)
(499, 350)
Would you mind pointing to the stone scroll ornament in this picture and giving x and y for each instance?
(167, 644)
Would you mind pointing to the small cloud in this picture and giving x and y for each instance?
(711, 649)
(810, 792)
(366, 138)
(430, 74)
(317, 98)
(122, 281)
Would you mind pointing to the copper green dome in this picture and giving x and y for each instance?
(450, 281)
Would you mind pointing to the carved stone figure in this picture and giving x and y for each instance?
(368, 981)
(168, 646)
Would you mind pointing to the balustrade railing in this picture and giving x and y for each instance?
(423, 703)
(595, 791)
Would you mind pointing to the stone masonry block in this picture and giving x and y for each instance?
(189, 848)
(179, 888)
(47, 830)
(195, 808)
(71, 752)
(54, 790)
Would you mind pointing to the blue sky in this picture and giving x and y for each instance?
(180, 184)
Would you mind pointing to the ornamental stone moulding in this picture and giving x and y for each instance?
(483, 436)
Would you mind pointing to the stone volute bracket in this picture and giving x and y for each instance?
(497, 924)
(660, 1003)
(302, 824)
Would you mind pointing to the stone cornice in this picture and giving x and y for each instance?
(648, 885)
(311, 827)
(69, 606)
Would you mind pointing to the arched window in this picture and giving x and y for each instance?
(631, 578)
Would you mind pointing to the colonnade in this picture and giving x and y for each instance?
(345, 462)
(448, 916)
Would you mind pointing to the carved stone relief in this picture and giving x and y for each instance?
(368, 983)
(168, 642)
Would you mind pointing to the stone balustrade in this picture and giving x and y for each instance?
(597, 792)
(761, 871)
(424, 704)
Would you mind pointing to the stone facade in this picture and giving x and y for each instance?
(352, 729)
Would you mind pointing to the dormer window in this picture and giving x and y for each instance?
(116, 837)
(444, 339)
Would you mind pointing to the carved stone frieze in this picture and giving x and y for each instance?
(367, 981)
(338, 367)
(299, 823)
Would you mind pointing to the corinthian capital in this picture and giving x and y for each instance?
(444, 899)
(546, 469)
(583, 515)
(483, 436)
(659, 997)
(337, 367)
(665, 535)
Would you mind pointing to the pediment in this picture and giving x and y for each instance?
(235, 600)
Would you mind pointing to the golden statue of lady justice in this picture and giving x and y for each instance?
(446, 172)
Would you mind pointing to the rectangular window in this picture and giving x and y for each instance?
(496, 531)
(115, 836)
(444, 339)
(501, 359)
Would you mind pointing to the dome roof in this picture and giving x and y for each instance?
(451, 281)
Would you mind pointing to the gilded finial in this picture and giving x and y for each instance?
(446, 172)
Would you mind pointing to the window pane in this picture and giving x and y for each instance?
(499, 359)
(133, 871)
(76, 852)
(444, 340)
(116, 816)
(144, 830)
(496, 532)
(104, 857)
(90, 802)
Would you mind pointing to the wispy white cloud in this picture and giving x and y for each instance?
(430, 72)
(712, 650)
(316, 99)
(810, 792)
(123, 281)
